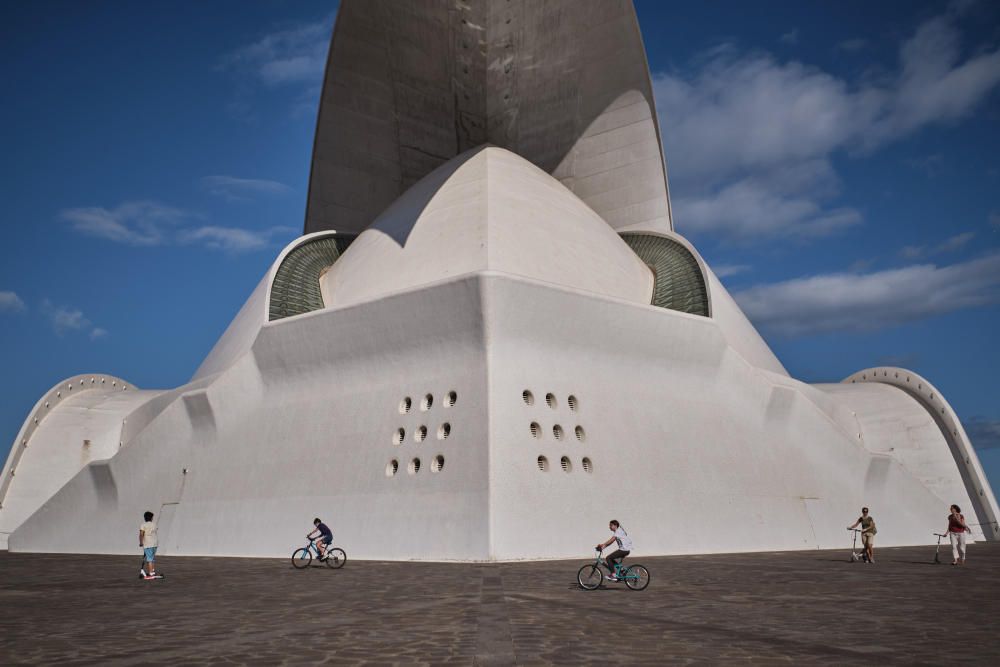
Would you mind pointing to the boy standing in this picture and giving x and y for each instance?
(147, 542)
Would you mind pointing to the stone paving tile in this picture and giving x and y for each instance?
(798, 608)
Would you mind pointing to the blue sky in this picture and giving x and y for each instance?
(836, 163)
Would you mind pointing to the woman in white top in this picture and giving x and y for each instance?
(618, 535)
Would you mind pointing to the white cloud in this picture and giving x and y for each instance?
(292, 55)
(141, 223)
(230, 239)
(852, 45)
(984, 433)
(853, 302)
(727, 270)
(790, 37)
(952, 244)
(98, 332)
(10, 302)
(145, 223)
(738, 117)
(64, 319)
(241, 189)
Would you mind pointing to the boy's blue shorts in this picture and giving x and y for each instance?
(150, 553)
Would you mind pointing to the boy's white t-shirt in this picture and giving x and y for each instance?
(623, 540)
(149, 534)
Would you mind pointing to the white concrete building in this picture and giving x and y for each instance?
(505, 345)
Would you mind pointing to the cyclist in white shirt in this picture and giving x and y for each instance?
(618, 535)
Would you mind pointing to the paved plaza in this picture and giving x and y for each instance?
(803, 607)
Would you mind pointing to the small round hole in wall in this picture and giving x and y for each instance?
(46, 404)
(588, 467)
(557, 431)
(565, 463)
(444, 430)
(527, 397)
(405, 405)
(450, 399)
(573, 404)
(580, 434)
(543, 464)
(420, 434)
(414, 467)
(391, 468)
(399, 436)
(550, 400)
(437, 464)
(536, 430)
(426, 404)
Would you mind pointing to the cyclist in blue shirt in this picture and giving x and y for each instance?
(325, 536)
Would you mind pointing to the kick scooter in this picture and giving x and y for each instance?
(937, 558)
(855, 555)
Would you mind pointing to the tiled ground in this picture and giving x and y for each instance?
(803, 607)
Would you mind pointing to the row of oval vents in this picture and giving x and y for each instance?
(551, 400)
(437, 464)
(427, 402)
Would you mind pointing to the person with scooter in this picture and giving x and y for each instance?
(868, 531)
(957, 528)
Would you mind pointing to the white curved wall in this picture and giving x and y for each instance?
(78, 421)
(487, 210)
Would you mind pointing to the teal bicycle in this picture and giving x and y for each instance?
(334, 558)
(590, 577)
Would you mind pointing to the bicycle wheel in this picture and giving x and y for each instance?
(589, 577)
(301, 558)
(637, 577)
(335, 558)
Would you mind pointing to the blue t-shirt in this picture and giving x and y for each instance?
(325, 531)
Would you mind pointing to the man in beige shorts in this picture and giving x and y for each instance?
(868, 531)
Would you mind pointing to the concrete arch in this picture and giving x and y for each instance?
(973, 476)
(562, 83)
(39, 463)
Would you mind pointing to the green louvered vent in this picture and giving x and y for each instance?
(295, 289)
(679, 284)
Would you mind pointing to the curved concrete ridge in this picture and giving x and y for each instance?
(239, 336)
(951, 428)
(51, 401)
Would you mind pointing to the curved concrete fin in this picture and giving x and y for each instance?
(562, 83)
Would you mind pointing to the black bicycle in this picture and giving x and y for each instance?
(590, 577)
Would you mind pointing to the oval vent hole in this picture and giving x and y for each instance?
(426, 404)
(550, 400)
(437, 464)
(565, 463)
(405, 405)
(420, 434)
(397, 438)
(543, 464)
(536, 430)
(573, 404)
(392, 468)
(587, 465)
(444, 431)
(414, 466)
(527, 397)
(557, 431)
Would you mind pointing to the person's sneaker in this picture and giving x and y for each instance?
(610, 578)
(149, 576)
(142, 573)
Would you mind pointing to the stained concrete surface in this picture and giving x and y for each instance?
(802, 608)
